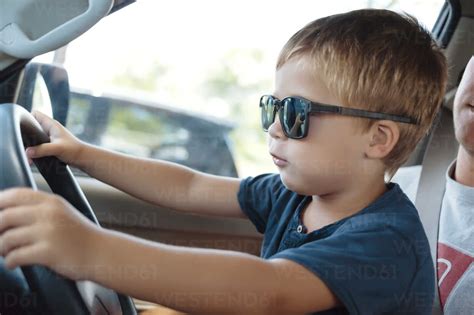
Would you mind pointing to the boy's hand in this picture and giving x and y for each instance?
(41, 228)
(62, 144)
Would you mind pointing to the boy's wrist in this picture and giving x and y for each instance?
(96, 248)
(83, 155)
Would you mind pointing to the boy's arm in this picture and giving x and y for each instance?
(40, 228)
(162, 183)
(206, 281)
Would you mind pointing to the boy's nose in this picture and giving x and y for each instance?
(275, 130)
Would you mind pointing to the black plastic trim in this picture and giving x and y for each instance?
(120, 4)
(13, 69)
(446, 23)
(9, 79)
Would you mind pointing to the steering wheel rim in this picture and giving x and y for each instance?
(53, 293)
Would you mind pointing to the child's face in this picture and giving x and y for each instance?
(331, 157)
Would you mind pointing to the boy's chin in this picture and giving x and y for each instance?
(297, 186)
(287, 182)
(309, 187)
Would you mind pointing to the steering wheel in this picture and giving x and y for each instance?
(49, 293)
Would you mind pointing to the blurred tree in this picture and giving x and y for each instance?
(239, 79)
(140, 78)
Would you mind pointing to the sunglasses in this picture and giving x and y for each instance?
(294, 112)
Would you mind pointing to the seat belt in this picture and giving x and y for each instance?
(440, 153)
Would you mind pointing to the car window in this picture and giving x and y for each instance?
(151, 131)
(216, 63)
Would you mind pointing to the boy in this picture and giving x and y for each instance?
(365, 87)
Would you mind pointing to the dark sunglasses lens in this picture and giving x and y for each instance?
(294, 117)
(267, 106)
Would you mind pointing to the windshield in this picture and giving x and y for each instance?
(211, 58)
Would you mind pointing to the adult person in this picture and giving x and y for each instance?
(455, 259)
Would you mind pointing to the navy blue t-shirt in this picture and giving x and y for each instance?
(376, 261)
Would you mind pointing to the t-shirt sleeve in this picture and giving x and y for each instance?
(370, 269)
(257, 196)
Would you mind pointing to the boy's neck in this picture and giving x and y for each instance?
(464, 173)
(327, 209)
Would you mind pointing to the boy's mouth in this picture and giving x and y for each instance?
(278, 160)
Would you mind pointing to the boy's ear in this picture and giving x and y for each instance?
(383, 136)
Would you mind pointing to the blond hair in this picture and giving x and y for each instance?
(380, 61)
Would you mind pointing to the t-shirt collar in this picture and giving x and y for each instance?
(456, 189)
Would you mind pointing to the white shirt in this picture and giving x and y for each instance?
(455, 259)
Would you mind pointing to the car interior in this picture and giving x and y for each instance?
(25, 33)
